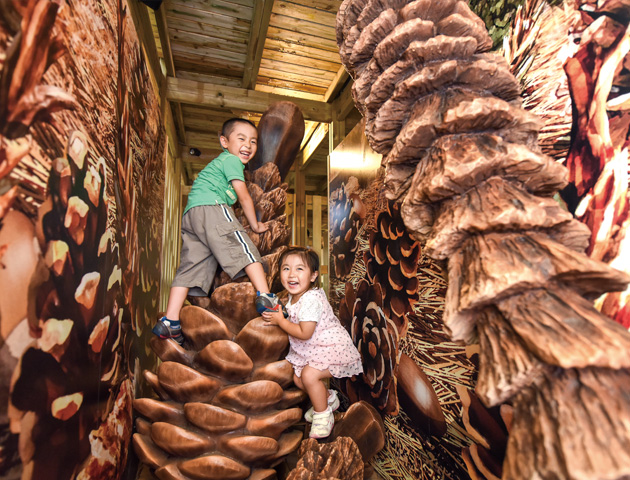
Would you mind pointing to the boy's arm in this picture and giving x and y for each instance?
(247, 204)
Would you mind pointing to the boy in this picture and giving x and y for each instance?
(212, 235)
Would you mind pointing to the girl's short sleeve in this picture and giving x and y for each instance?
(311, 309)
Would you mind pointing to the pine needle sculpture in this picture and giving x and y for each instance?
(463, 157)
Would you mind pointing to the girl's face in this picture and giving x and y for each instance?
(295, 276)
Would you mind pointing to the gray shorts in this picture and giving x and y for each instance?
(211, 235)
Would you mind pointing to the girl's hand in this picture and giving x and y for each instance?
(260, 227)
(272, 318)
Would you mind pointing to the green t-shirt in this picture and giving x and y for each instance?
(213, 184)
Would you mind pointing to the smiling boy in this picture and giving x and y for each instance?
(211, 233)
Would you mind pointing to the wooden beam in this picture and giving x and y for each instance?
(337, 134)
(336, 85)
(317, 225)
(197, 93)
(313, 144)
(204, 142)
(309, 128)
(344, 104)
(256, 44)
(317, 169)
(299, 225)
(165, 41)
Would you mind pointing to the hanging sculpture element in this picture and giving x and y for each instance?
(463, 157)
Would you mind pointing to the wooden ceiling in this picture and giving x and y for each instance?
(235, 57)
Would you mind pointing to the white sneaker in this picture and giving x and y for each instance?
(333, 403)
(323, 423)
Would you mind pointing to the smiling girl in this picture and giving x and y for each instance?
(320, 347)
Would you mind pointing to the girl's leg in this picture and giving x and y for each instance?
(298, 382)
(314, 386)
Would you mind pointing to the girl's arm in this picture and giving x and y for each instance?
(247, 204)
(300, 330)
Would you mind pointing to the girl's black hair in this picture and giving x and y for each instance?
(229, 125)
(308, 256)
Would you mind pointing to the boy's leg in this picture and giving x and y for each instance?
(176, 299)
(265, 301)
(168, 326)
(256, 274)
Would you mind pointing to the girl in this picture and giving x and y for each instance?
(320, 347)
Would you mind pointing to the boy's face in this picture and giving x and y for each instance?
(242, 141)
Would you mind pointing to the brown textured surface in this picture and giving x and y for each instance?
(339, 459)
(454, 164)
(493, 205)
(546, 434)
(263, 343)
(282, 127)
(566, 422)
(223, 300)
(491, 267)
(563, 329)
(418, 398)
(362, 423)
(505, 365)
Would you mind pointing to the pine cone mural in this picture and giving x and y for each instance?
(463, 157)
(346, 214)
(598, 158)
(376, 338)
(75, 315)
(390, 379)
(392, 262)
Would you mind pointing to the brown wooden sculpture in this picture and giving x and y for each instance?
(462, 156)
(278, 147)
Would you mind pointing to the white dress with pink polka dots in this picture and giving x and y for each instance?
(330, 347)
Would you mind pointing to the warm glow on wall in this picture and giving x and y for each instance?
(359, 160)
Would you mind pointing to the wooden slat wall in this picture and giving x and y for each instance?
(300, 56)
(213, 42)
(209, 37)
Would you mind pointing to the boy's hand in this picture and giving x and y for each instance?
(259, 227)
(272, 318)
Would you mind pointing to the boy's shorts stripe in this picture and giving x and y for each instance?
(246, 249)
(239, 236)
(226, 212)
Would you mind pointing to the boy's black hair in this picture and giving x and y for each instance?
(308, 256)
(229, 125)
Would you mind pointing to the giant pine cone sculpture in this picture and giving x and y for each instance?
(224, 406)
(463, 156)
(224, 409)
(225, 402)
